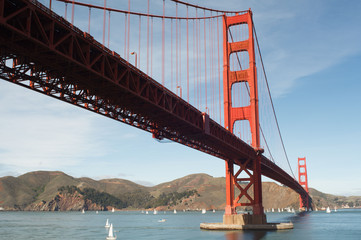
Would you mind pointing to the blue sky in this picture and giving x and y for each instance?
(312, 55)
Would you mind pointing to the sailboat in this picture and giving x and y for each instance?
(328, 210)
(279, 210)
(107, 223)
(203, 211)
(82, 211)
(155, 211)
(113, 210)
(146, 212)
(175, 211)
(214, 210)
(111, 234)
(335, 209)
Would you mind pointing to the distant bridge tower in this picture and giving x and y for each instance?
(303, 180)
(248, 113)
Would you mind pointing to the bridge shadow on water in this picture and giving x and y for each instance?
(245, 235)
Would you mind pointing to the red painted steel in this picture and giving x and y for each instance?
(303, 180)
(43, 52)
(249, 113)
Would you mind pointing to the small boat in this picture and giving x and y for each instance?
(111, 234)
(279, 210)
(214, 210)
(203, 211)
(146, 212)
(175, 211)
(328, 210)
(161, 220)
(155, 212)
(113, 210)
(335, 209)
(96, 212)
(82, 211)
(107, 225)
(273, 210)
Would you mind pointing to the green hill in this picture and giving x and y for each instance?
(40, 191)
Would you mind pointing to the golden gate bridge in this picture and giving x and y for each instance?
(183, 72)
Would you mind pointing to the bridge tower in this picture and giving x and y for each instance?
(303, 180)
(249, 113)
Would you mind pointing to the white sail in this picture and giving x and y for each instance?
(328, 210)
(203, 211)
(175, 211)
(155, 212)
(107, 223)
(113, 210)
(111, 234)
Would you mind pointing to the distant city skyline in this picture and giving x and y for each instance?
(312, 55)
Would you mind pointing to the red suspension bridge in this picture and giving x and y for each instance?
(212, 93)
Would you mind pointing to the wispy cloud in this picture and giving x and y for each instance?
(40, 133)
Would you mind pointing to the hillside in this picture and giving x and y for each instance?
(46, 191)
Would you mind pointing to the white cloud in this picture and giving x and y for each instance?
(41, 133)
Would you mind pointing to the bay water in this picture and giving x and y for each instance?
(343, 224)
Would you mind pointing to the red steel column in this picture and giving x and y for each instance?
(249, 113)
(303, 180)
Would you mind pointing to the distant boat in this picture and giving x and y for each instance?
(328, 210)
(146, 212)
(155, 211)
(107, 223)
(111, 234)
(279, 210)
(142, 211)
(273, 210)
(203, 211)
(335, 209)
(161, 220)
(113, 210)
(175, 211)
(83, 211)
(214, 210)
(96, 212)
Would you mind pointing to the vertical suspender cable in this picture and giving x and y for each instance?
(171, 53)
(187, 59)
(219, 76)
(194, 66)
(105, 5)
(125, 36)
(66, 11)
(205, 59)
(140, 22)
(108, 27)
(151, 50)
(89, 20)
(148, 39)
(72, 13)
(163, 44)
(128, 30)
(180, 58)
(176, 45)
